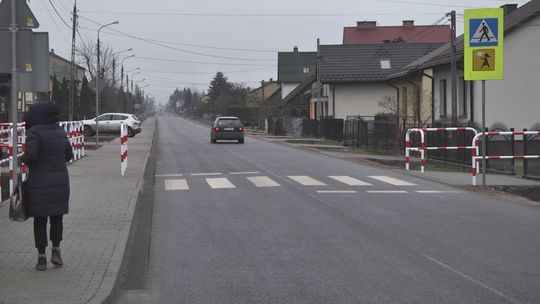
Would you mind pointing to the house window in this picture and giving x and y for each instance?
(405, 103)
(442, 98)
(306, 70)
(385, 64)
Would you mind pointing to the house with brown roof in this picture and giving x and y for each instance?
(368, 32)
(511, 102)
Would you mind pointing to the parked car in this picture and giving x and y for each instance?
(110, 123)
(227, 128)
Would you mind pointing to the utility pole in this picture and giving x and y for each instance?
(72, 76)
(113, 73)
(14, 92)
(264, 104)
(453, 66)
(318, 86)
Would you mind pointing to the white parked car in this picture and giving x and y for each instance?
(110, 123)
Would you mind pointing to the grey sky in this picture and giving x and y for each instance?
(267, 26)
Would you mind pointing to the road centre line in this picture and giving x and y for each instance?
(387, 191)
(176, 184)
(434, 191)
(219, 183)
(169, 175)
(461, 274)
(392, 180)
(244, 173)
(204, 174)
(337, 191)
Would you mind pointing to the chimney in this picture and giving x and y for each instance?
(408, 24)
(366, 24)
(295, 50)
(509, 8)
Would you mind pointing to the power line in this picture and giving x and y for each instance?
(59, 16)
(55, 23)
(206, 73)
(199, 62)
(425, 31)
(197, 45)
(175, 48)
(242, 15)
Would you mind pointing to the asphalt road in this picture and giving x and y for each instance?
(267, 223)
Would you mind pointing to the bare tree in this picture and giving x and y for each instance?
(87, 55)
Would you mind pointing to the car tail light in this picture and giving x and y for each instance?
(240, 129)
(217, 129)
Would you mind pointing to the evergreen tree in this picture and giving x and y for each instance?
(86, 102)
(62, 100)
(55, 92)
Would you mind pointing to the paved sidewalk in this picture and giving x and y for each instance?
(95, 231)
(450, 178)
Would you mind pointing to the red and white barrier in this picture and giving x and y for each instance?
(424, 147)
(476, 158)
(75, 133)
(21, 147)
(123, 148)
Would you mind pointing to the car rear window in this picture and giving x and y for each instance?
(229, 122)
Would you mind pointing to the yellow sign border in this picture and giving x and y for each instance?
(498, 73)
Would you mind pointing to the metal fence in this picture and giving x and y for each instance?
(377, 134)
(299, 127)
(380, 135)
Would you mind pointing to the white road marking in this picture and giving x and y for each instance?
(204, 174)
(392, 180)
(337, 191)
(219, 183)
(351, 181)
(435, 191)
(388, 191)
(306, 180)
(461, 274)
(170, 175)
(242, 173)
(176, 184)
(263, 181)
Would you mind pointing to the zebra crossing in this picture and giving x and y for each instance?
(331, 184)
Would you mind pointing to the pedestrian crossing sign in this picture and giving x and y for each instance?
(483, 44)
(483, 32)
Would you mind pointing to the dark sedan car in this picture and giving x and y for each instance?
(227, 128)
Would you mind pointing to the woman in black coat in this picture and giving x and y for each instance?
(47, 151)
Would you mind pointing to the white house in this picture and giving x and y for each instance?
(355, 78)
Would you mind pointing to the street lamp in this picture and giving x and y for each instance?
(127, 85)
(122, 77)
(114, 63)
(120, 52)
(97, 80)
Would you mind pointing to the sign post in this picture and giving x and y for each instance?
(483, 55)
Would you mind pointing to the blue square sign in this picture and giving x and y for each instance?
(483, 32)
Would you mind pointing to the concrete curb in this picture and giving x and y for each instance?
(109, 288)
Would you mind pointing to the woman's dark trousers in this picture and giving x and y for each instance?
(40, 231)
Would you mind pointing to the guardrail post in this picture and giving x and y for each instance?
(513, 149)
(525, 162)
